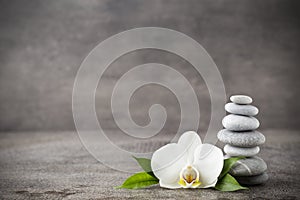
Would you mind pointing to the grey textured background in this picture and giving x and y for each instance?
(254, 43)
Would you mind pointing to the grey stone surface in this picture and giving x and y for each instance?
(241, 151)
(248, 110)
(249, 167)
(55, 165)
(240, 123)
(253, 180)
(241, 99)
(42, 43)
(241, 139)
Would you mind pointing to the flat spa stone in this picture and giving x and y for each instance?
(241, 151)
(240, 123)
(248, 167)
(241, 99)
(253, 180)
(241, 139)
(238, 109)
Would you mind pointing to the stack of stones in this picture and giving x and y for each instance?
(241, 139)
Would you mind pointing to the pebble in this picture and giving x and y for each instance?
(226, 156)
(238, 109)
(240, 123)
(241, 151)
(241, 99)
(253, 180)
(248, 167)
(241, 139)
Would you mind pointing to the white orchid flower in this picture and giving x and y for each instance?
(187, 164)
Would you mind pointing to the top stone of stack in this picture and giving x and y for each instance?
(241, 99)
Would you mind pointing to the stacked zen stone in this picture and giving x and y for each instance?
(241, 139)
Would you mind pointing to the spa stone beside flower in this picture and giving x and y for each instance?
(241, 139)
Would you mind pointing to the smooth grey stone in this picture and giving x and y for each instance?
(241, 99)
(253, 180)
(240, 123)
(241, 151)
(226, 156)
(248, 110)
(241, 139)
(248, 167)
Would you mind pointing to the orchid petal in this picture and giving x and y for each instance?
(208, 160)
(190, 140)
(173, 185)
(209, 185)
(167, 162)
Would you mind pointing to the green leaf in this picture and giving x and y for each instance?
(145, 163)
(139, 180)
(228, 163)
(228, 184)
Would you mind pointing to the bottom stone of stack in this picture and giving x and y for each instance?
(253, 180)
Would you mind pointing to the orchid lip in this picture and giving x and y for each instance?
(189, 177)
